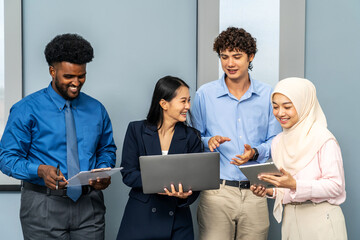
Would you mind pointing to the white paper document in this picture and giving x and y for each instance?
(82, 178)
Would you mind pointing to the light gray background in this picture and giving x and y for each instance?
(11, 66)
(261, 18)
(136, 42)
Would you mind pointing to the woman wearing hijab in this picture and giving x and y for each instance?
(164, 215)
(312, 185)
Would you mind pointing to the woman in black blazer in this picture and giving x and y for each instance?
(164, 215)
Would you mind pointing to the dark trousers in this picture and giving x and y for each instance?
(155, 219)
(55, 217)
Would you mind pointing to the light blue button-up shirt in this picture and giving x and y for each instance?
(35, 134)
(250, 120)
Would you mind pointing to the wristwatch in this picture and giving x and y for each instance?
(256, 155)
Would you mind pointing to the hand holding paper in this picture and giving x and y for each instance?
(98, 178)
(100, 183)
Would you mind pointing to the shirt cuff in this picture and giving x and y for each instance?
(263, 156)
(302, 192)
(205, 141)
(33, 170)
(273, 195)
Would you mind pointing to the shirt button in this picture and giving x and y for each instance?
(153, 210)
(240, 137)
(239, 120)
(171, 213)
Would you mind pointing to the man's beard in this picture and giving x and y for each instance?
(64, 92)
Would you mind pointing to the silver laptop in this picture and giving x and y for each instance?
(195, 171)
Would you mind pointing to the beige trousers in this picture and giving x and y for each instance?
(232, 213)
(313, 221)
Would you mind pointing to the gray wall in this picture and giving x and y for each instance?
(208, 29)
(332, 63)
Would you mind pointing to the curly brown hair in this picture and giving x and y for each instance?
(235, 39)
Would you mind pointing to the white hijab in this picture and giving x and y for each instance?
(299, 144)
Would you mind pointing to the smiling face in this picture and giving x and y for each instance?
(284, 111)
(67, 79)
(175, 110)
(235, 64)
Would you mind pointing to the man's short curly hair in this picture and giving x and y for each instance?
(69, 48)
(235, 39)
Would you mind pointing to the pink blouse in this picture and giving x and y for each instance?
(322, 179)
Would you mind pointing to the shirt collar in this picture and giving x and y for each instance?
(224, 90)
(59, 100)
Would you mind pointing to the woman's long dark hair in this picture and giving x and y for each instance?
(165, 89)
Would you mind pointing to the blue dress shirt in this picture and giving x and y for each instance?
(35, 134)
(250, 120)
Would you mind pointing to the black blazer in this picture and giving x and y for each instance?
(153, 213)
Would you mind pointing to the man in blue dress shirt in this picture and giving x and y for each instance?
(234, 116)
(34, 146)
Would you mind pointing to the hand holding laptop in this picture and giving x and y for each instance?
(180, 194)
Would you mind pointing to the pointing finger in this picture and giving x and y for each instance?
(224, 139)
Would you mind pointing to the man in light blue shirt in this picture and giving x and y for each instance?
(234, 116)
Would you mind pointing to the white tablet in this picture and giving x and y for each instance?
(252, 172)
(82, 178)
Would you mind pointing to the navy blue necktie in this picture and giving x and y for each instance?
(73, 192)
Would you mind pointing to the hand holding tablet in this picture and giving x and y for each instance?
(285, 180)
(253, 171)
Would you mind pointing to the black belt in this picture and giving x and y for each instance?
(301, 203)
(60, 192)
(238, 184)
